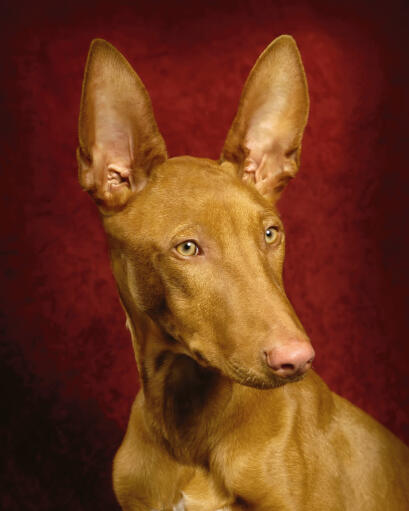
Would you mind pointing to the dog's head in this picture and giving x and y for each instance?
(197, 246)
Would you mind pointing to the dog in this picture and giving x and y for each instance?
(230, 415)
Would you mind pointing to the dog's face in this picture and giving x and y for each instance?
(198, 245)
(202, 253)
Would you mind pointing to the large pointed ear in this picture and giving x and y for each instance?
(264, 141)
(119, 141)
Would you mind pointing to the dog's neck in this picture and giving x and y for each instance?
(180, 395)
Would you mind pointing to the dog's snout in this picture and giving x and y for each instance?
(290, 359)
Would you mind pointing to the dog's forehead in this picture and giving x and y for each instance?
(198, 184)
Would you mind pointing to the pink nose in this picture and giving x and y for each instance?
(291, 359)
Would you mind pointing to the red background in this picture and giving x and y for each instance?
(67, 369)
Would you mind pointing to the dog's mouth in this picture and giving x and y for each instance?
(246, 376)
(251, 378)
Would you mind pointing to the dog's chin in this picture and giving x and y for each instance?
(251, 378)
(264, 384)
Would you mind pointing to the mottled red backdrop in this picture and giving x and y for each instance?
(67, 370)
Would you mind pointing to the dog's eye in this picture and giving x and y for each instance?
(271, 234)
(188, 248)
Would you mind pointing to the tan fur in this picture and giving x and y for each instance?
(214, 424)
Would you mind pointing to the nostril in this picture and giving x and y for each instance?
(288, 367)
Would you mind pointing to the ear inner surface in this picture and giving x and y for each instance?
(119, 139)
(264, 140)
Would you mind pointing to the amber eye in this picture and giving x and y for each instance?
(188, 248)
(271, 234)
